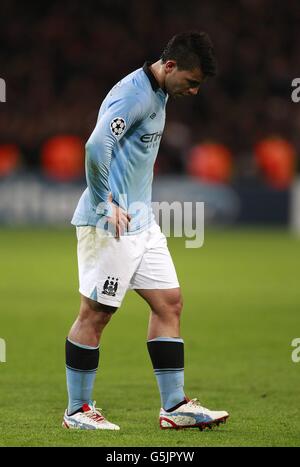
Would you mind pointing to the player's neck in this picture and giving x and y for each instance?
(159, 73)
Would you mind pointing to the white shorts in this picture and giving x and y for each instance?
(108, 266)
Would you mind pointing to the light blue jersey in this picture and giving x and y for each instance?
(121, 151)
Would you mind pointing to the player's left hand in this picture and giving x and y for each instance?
(119, 219)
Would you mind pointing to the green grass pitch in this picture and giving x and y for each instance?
(241, 312)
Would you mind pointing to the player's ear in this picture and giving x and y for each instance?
(170, 65)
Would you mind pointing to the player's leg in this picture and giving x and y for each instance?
(82, 358)
(82, 351)
(156, 281)
(166, 350)
(165, 346)
(105, 267)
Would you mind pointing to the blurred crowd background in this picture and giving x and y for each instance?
(60, 58)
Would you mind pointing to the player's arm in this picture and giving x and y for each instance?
(122, 114)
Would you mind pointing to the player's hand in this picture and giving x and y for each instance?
(119, 219)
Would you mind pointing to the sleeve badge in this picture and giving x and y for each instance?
(117, 126)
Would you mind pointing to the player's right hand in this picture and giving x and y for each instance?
(120, 219)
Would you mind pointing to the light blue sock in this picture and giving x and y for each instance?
(167, 360)
(80, 382)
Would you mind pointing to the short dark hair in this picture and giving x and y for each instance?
(192, 49)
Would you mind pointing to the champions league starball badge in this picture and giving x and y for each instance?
(117, 126)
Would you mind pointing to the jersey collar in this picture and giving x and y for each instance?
(153, 81)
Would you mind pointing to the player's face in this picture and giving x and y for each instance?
(179, 83)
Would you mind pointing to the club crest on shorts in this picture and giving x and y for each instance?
(110, 286)
(117, 126)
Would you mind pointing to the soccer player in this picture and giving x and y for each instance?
(121, 247)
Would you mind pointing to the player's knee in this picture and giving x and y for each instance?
(99, 322)
(172, 308)
(177, 307)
